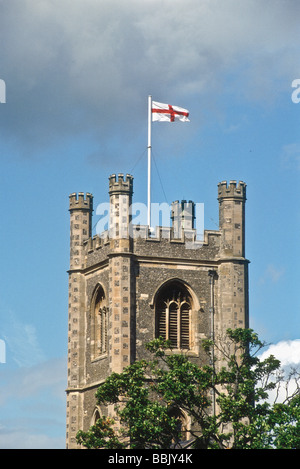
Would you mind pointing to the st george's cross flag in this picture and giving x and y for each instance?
(167, 113)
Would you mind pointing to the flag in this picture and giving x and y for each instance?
(167, 113)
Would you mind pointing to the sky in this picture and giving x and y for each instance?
(78, 74)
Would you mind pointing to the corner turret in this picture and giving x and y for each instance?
(81, 209)
(232, 198)
(120, 193)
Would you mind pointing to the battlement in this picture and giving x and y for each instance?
(141, 232)
(97, 241)
(120, 185)
(232, 190)
(81, 202)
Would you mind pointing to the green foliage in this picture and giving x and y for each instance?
(287, 424)
(100, 435)
(150, 396)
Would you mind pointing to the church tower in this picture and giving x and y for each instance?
(127, 286)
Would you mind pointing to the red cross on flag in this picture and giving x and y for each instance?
(167, 113)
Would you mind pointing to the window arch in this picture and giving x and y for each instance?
(173, 309)
(99, 319)
(96, 416)
(182, 422)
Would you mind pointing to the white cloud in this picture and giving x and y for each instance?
(272, 274)
(21, 340)
(27, 382)
(287, 351)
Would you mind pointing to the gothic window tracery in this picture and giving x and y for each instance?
(173, 315)
(99, 319)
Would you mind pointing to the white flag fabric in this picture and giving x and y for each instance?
(167, 113)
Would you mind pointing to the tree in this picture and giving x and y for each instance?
(151, 397)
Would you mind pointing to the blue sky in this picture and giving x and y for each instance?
(77, 77)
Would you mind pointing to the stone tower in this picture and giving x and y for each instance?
(127, 286)
(121, 268)
(233, 267)
(81, 209)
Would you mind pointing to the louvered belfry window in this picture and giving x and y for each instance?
(173, 312)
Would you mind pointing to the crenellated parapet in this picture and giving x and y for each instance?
(96, 242)
(232, 190)
(162, 241)
(80, 201)
(120, 184)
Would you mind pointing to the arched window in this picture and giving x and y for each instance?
(99, 318)
(173, 314)
(182, 423)
(96, 416)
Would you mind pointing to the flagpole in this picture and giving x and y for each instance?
(149, 159)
